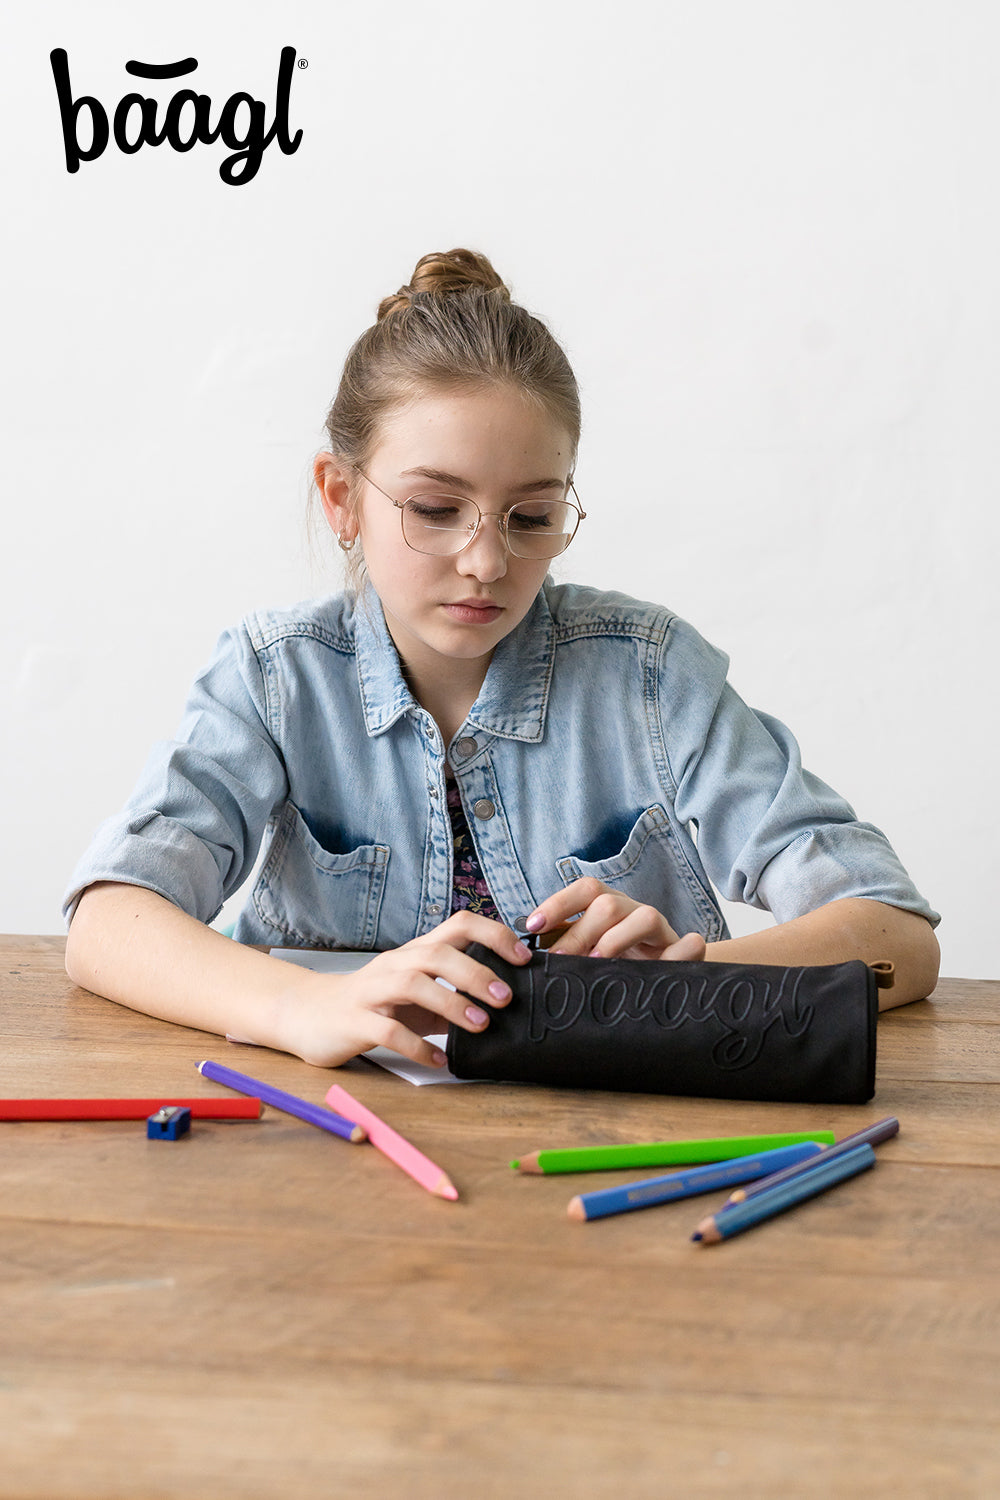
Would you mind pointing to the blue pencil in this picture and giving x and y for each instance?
(313, 1114)
(740, 1216)
(651, 1190)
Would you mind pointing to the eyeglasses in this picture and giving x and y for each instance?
(442, 525)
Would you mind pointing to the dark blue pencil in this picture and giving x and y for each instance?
(870, 1136)
(313, 1114)
(685, 1184)
(730, 1221)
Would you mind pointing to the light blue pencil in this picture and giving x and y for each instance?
(685, 1184)
(740, 1216)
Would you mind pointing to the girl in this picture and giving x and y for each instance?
(456, 733)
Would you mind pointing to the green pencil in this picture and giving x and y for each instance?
(662, 1153)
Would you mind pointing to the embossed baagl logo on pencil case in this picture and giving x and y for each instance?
(740, 1031)
(186, 119)
(744, 1004)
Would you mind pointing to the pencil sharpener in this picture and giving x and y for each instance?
(169, 1122)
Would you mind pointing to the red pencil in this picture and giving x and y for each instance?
(126, 1109)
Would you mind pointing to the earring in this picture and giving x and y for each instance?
(345, 546)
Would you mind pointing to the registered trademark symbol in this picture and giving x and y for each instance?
(303, 62)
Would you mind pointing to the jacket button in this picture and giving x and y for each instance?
(483, 808)
(466, 745)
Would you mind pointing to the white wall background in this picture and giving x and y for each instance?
(768, 234)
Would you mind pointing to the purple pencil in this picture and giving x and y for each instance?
(313, 1114)
(870, 1136)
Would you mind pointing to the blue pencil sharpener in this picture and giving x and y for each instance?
(169, 1122)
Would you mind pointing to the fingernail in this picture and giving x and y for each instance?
(535, 922)
(595, 953)
(499, 990)
(475, 1015)
(561, 952)
(522, 950)
(439, 1058)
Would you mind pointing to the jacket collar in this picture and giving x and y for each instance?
(513, 699)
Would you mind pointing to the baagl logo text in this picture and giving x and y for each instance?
(188, 118)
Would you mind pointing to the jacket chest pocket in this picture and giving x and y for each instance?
(654, 867)
(315, 898)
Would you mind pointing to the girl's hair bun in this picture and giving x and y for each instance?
(444, 272)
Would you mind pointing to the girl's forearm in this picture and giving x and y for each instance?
(856, 927)
(135, 947)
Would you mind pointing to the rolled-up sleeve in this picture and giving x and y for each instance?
(193, 826)
(769, 833)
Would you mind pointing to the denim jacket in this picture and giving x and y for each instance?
(605, 741)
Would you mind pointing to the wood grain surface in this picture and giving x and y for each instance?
(260, 1309)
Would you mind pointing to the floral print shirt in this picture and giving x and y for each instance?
(469, 890)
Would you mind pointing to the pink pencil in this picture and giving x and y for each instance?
(392, 1145)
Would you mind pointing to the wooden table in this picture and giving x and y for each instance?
(263, 1310)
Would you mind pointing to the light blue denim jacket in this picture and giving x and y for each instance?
(605, 741)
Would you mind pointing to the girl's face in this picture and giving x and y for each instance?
(494, 446)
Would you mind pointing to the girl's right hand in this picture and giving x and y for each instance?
(395, 999)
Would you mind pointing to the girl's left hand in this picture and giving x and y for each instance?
(611, 925)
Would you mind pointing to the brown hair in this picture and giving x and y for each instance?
(453, 326)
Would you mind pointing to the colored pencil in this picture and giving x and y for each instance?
(730, 1221)
(662, 1153)
(870, 1136)
(313, 1114)
(126, 1109)
(720, 1174)
(396, 1147)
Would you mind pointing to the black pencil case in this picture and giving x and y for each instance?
(720, 1031)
